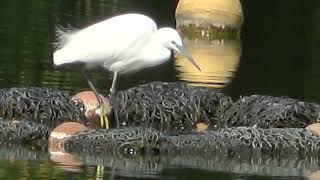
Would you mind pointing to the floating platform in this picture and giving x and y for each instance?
(163, 119)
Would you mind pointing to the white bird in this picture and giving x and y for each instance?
(121, 44)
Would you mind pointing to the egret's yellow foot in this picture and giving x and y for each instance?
(100, 172)
(104, 121)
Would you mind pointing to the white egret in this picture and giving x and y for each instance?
(121, 44)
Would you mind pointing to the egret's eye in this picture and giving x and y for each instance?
(173, 42)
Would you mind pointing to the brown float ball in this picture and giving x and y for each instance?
(57, 138)
(314, 128)
(61, 133)
(91, 103)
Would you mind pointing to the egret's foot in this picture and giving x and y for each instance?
(112, 92)
(104, 121)
(100, 171)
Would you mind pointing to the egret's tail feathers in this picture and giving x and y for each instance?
(64, 35)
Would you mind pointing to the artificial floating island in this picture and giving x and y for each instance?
(162, 119)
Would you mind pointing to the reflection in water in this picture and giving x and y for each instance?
(218, 60)
(66, 161)
(116, 166)
(155, 166)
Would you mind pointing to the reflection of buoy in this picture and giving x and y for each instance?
(56, 146)
(66, 161)
(206, 13)
(218, 60)
(59, 135)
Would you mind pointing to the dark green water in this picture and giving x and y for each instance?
(280, 55)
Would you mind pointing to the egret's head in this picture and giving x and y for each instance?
(171, 39)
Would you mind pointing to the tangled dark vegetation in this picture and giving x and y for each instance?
(268, 111)
(170, 107)
(178, 107)
(22, 131)
(161, 118)
(42, 105)
(227, 141)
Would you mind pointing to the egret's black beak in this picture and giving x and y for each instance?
(184, 52)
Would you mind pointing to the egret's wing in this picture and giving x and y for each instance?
(111, 40)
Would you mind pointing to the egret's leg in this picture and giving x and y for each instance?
(91, 85)
(103, 117)
(114, 81)
(112, 94)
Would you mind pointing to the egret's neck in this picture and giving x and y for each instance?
(155, 52)
(160, 37)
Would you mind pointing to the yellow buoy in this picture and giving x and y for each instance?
(211, 31)
(207, 13)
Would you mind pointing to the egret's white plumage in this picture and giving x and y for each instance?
(120, 44)
(115, 39)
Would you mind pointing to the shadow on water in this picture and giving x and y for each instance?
(278, 55)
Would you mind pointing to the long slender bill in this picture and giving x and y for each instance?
(184, 52)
